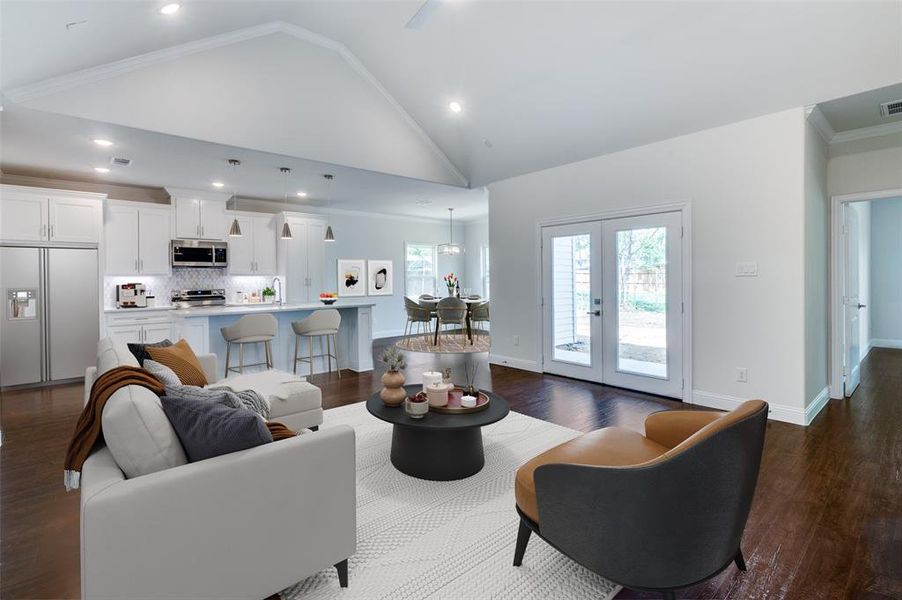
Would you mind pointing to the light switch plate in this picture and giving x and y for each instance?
(746, 269)
(742, 375)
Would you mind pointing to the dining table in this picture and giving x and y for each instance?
(432, 304)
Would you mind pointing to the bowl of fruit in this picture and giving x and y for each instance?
(328, 297)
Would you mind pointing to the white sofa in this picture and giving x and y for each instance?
(243, 525)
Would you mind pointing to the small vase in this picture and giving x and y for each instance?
(393, 393)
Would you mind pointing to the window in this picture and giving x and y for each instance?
(419, 269)
(484, 268)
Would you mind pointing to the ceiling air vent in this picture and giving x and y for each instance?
(120, 162)
(888, 109)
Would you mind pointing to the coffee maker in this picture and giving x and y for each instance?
(131, 295)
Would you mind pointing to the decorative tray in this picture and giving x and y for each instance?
(454, 407)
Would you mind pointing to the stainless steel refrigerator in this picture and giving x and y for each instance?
(50, 322)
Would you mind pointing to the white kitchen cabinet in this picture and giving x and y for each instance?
(42, 215)
(142, 327)
(195, 331)
(254, 253)
(74, 219)
(198, 215)
(302, 258)
(136, 239)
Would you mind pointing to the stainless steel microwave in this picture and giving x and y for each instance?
(202, 254)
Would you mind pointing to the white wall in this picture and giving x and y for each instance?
(476, 236)
(867, 165)
(745, 184)
(817, 290)
(886, 274)
(383, 237)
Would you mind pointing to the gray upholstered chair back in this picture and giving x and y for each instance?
(415, 312)
(480, 312)
(251, 328)
(673, 521)
(321, 322)
(451, 309)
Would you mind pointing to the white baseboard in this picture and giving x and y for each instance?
(516, 363)
(817, 405)
(885, 343)
(778, 412)
(378, 335)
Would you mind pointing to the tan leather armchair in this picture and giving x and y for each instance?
(656, 512)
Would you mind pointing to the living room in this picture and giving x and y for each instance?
(247, 247)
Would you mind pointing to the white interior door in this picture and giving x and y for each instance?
(642, 291)
(851, 301)
(571, 263)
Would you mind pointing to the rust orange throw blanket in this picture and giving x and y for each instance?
(89, 431)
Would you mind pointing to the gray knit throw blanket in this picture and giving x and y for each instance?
(248, 399)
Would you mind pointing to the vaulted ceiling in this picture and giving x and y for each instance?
(541, 83)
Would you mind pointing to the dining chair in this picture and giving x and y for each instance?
(417, 314)
(479, 314)
(451, 311)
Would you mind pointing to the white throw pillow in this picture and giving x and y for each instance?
(138, 433)
(166, 375)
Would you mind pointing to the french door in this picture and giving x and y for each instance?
(612, 302)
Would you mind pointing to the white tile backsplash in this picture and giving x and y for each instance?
(188, 279)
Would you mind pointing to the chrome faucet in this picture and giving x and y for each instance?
(276, 280)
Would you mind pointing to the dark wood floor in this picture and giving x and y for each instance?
(826, 521)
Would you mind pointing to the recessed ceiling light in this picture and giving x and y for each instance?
(104, 143)
(302, 194)
(101, 169)
(170, 9)
(455, 106)
(218, 184)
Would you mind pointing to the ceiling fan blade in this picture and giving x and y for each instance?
(422, 15)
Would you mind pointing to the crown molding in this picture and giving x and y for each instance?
(120, 67)
(176, 192)
(819, 121)
(867, 132)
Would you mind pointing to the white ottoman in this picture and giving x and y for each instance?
(293, 401)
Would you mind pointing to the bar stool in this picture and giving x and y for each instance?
(250, 329)
(322, 324)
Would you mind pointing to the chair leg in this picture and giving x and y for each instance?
(328, 351)
(314, 428)
(522, 539)
(342, 568)
(337, 362)
(241, 357)
(228, 352)
(297, 340)
(310, 352)
(268, 348)
(740, 560)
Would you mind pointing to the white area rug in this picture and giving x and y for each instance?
(448, 540)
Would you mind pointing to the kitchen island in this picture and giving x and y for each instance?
(200, 326)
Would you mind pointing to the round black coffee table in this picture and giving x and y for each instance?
(439, 447)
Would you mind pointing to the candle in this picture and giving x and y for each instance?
(437, 394)
(468, 401)
(431, 378)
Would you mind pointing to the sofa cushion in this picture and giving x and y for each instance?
(287, 394)
(609, 447)
(207, 429)
(166, 375)
(112, 354)
(140, 350)
(138, 434)
(180, 358)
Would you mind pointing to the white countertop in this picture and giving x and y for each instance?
(240, 309)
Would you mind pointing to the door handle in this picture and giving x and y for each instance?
(860, 306)
(596, 313)
(141, 265)
(51, 232)
(201, 231)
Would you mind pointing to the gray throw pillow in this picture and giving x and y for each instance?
(141, 354)
(207, 429)
(166, 375)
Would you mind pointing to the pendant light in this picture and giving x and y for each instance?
(286, 230)
(450, 249)
(235, 229)
(329, 237)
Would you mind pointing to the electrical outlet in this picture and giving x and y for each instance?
(742, 375)
(516, 340)
(746, 269)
